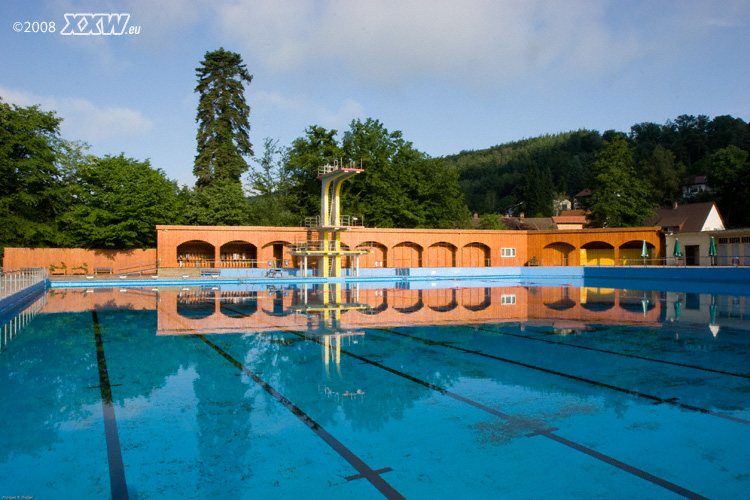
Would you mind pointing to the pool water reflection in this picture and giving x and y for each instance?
(321, 392)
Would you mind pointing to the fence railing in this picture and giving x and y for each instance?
(14, 280)
(149, 267)
(13, 326)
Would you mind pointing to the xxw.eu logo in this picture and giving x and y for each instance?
(98, 24)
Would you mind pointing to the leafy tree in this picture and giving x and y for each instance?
(401, 186)
(620, 198)
(729, 177)
(272, 204)
(663, 176)
(223, 203)
(223, 118)
(118, 203)
(318, 147)
(30, 191)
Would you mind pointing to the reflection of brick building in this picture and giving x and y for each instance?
(212, 311)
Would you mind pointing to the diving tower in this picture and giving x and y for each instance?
(330, 223)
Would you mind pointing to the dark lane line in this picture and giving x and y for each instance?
(117, 482)
(364, 470)
(515, 420)
(615, 353)
(525, 422)
(655, 399)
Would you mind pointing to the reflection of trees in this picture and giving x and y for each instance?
(46, 379)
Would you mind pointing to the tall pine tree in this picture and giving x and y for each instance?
(223, 118)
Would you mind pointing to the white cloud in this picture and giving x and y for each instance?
(82, 119)
(391, 41)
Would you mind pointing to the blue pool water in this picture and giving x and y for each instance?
(495, 392)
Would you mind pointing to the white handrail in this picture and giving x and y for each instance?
(14, 280)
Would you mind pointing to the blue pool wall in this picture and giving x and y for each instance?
(716, 274)
(713, 280)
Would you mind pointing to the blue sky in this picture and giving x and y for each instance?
(451, 75)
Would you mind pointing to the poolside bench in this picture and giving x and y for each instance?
(209, 271)
(102, 270)
(274, 271)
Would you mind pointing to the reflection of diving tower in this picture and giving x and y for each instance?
(329, 224)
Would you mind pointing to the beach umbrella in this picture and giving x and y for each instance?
(644, 250)
(712, 325)
(677, 252)
(712, 250)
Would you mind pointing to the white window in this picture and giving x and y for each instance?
(507, 252)
(507, 300)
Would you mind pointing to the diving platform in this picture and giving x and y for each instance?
(329, 225)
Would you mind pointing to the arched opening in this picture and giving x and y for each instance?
(597, 299)
(277, 303)
(558, 254)
(239, 254)
(441, 254)
(195, 253)
(408, 301)
(631, 253)
(378, 256)
(597, 253)
(407, 254)
(560, 301)
(196, 305)
(475, 255)
(238, 304)
(276, 254)
(476, 299)
(442, 300)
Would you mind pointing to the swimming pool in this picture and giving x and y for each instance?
(499, 391)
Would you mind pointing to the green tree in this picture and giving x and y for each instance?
(401, 186)
(30, 189)
(223, 118)
(318, 147)
(118, 203)
(663, 176)
(223, 203)
(271, 202)
(729, 177)
(620, 198)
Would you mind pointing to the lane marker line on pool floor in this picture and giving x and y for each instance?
(518, 421)
(655, 399)
(117, 482)
(529, 423)
(365, 471)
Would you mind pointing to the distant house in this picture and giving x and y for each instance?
(690, 226)
(581, 200)
(689, 218)
(694, 185)
(570, 219)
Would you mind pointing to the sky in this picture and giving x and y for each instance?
(451, 75)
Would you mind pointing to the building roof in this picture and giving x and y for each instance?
(530, 223)
(584, 193)
(684, 218)
(696, 180)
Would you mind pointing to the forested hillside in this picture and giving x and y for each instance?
(529, 174)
